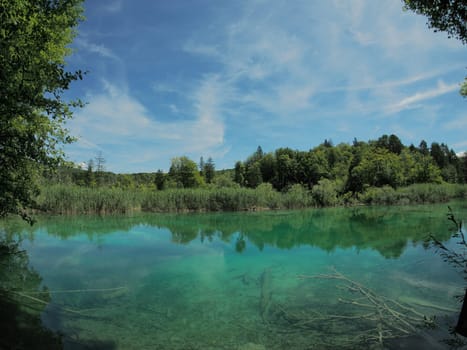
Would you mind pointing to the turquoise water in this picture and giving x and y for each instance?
(315, 279)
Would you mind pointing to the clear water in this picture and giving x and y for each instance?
(245, 280)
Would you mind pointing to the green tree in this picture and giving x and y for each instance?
(185, 172)
(160, 179)
(463, 167)
(209, 170)
(253, 176)
(239, 173)
(34, 39)
(380, 167)
(268, 167)
(448, 16)
(423, 147)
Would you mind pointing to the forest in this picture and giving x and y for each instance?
(381, 171)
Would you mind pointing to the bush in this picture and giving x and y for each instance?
(297, 197)
(325, 193)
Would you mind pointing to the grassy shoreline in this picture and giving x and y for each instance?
(75, 200)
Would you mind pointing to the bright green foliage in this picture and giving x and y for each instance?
(184, 172)
(325, 193)
(372, 172)
(34, 39)
(224, 180)
(379, 167)
(297, 197)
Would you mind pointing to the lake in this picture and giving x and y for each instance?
(314, 279)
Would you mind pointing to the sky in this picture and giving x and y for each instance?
(218, 78)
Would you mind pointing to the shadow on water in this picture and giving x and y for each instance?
(20, 317)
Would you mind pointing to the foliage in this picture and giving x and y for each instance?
(184, 172)
(297, 197)
(383, 171)
(325, 193)
(73, 199)
(34, 39)
(209, 170)
(443, 15)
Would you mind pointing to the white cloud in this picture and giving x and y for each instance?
(114, 118)
(279, 57)
(413, 100)
(99, 49)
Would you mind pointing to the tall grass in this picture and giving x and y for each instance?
(414, 194)
(220, 199)
(72, 199)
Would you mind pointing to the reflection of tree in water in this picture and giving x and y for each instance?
(387, 230)
(21, 307)
(20, 321)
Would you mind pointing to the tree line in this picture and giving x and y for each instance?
(348, 168)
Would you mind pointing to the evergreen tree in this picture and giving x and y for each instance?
(209, 170)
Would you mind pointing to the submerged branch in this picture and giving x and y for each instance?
(390, 318)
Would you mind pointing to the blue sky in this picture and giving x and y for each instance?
(218, 78)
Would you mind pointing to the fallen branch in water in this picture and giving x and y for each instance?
(387, 318)
(103, 290)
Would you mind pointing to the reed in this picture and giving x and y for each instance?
(73, 199)
(413, 194)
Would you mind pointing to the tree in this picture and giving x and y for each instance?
(185, 172)
(463, 167)
(239, 174)
(159, 180)
(253, 176)
(423, 147)
(209, 170)
(34, 39)
(448, 16)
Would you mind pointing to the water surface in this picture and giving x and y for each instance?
(314, 279)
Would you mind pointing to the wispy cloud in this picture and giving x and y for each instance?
(115, 118)
(414, 100)
(99, 49)
(113, 6)
(281, 67)
(287, 73)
